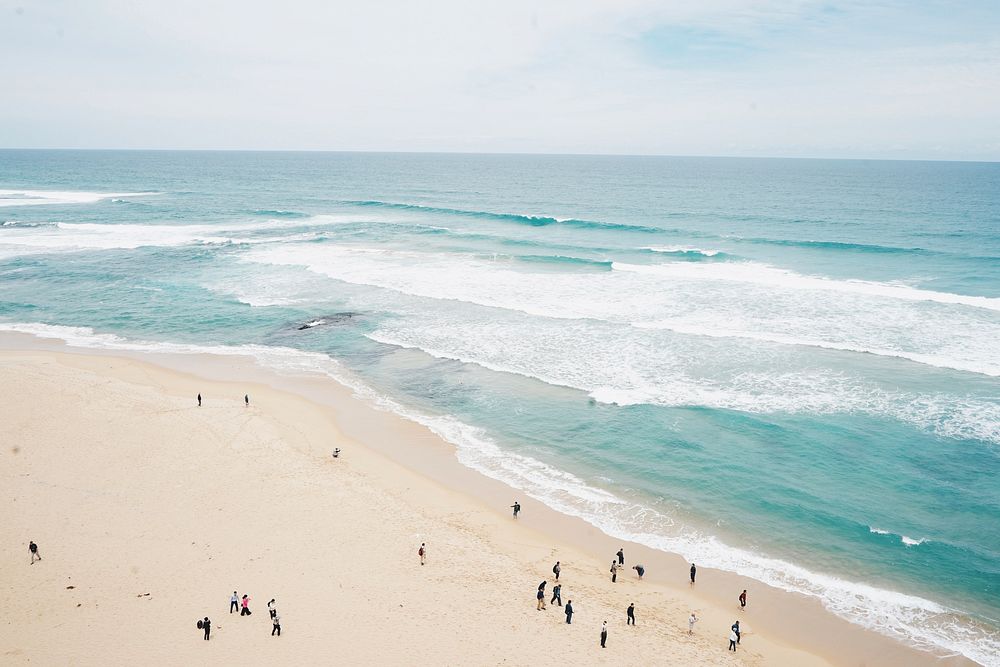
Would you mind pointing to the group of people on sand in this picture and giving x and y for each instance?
(242, 605)
(616, 564)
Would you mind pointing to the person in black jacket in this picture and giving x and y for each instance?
(569, 612)
(630, 614)
(206, 625)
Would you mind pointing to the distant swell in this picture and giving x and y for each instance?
(520, 218)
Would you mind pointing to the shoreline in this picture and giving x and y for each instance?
(786, 628)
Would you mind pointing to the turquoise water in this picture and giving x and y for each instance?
(785, 368)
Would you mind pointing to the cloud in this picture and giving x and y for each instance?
(637, 76)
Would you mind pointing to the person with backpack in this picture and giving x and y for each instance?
(556, 569)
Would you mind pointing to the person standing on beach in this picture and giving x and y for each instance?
(694, 571)
(556, 595)
(276, 625)
(733, 638)
(234, 603)
(245, 611)
(614, 571)
(516, 507)
(246, 399)
(199, 405)
(743, 600)
(569, 612)
(640, 570)
(422, 552)
(621, 556)
(33, 549)
(692, 619)
(604, 634)
(736, 629)
(556, 569)
(206, 625)
(540, 596)
(630, 614)
(272, 608)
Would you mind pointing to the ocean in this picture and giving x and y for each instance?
(789, 369)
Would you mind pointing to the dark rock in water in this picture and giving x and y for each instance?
(335, 318)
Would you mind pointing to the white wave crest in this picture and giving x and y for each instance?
(42, 197)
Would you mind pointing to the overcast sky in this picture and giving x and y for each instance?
(837, 78)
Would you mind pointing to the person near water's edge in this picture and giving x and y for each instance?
(199, 400)
(640, 570)
(743, 599)
(621, 556)
(206, 625)
(556, 595)
(630, 614)
(234, 603)
(556, 569)
(614, 571)
(516, 507)
(733, 638)
(33, 549)
(736, 629)
(604, 634)
(694, 571)
(569, 612)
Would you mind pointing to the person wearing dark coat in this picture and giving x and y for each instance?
(569, 612)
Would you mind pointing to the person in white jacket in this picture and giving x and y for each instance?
(732, 640)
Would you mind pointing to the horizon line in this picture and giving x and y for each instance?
(497, 153)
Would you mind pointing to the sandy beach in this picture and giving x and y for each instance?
(149, 511)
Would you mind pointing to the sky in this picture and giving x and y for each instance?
(916, 79)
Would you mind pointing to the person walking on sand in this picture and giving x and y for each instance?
(556, 569)
(245, 611)
(694, 571)
(569, 612)
(206, 625)
(640, 570)
(630, 614)
(604, 634)
(272, 609)
(733, 638)
(540, 596)
(614, 571)
(621, 556)
(246, 400)
(275, 625)
(743, 600)
(234, 603)
(33, 550)
(736, 629)
(556, 595)
(199, 400)
(516, 507)
(692, 619)
(422, 552)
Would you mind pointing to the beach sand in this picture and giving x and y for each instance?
(150, 511)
